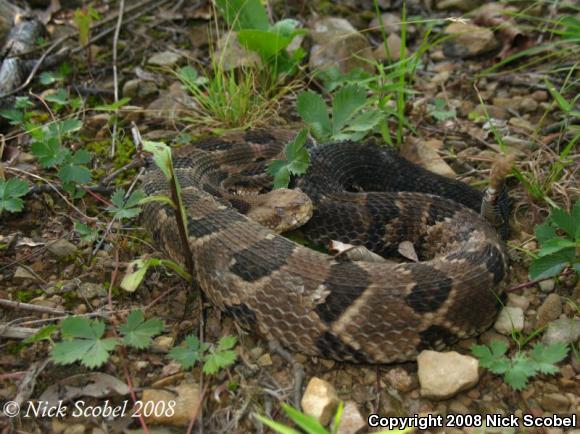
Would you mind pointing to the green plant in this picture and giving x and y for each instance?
(524, 365)
(138, 268)
(83, 339)
(214, 357)
(122, 208)
(249, 19)
(295, 163)
(439, 112)
(17, 115)
(557, 251)
(352, 119)
(48, 147)
(310, 425)
(11, 192)
(226, 99)
(83, 19)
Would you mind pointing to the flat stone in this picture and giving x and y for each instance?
(61, 248)
(138, 88)
(351, 421)
(564, 330)
(165, 58)
(509, 319)
(443, 375)
(520, 301)
(556, 402)
(89, 290)
(547, 285)
(469, 40)
(186, 398)
(338, 44)
(320, 400)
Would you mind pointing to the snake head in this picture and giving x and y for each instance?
(281, 210)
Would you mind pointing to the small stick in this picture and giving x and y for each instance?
(115, 76)
(31, 307)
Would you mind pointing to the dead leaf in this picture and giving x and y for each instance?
(407, 250)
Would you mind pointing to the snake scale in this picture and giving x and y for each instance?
(310, 302)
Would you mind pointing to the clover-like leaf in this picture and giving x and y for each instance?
(137, 332)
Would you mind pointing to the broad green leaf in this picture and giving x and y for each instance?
(244, 14)
(134, 275)
(14, 187)
(49, 153)
(265, 43)
(346, 104)
(297, 161)
(122, 209)
(80, 327)
(547, 356)
(555, 245)
(519, 372)
(16, 117)
(549, 265)
(193, 351)
(564, 221)
(86, 233)
(113, 106)
(70, 126)
(23, 102)
(58, 97)
(44, 334)
(75, 174)
(137, 332)
(287, 27)
(218, 360)
(544, 232)
(227, 343)
(365, 121)
(161, 156)
(313, 111)
(493, 357)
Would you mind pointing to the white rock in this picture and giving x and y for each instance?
(564, 330)
(352, 421)
(509, 319)
(320, 400)
(547, 285)
(443, 375)
(520, 301)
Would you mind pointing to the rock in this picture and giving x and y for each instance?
(443, 375)
(490, 335)
(21, 275)
(528, 105)
(494, 112)
(550, 310)
(391, 23)
(62, 248)
(232, 55)
(394, 44)
(422, 153)
(352, 421)
(186, 397)
(462, 5)
(556, 402)
(265, 360)
(320, 400)
(564, 330)
(165, 58)
(509, 319)
(507, 103)
(170, 105)
(89, 290)
(540, 95)
(547, 285)
(338, 44)
(522, 123)
(163, 344)
(518, 301)
(470, 40)
(400, 379)
(138, 88)
(517, 143)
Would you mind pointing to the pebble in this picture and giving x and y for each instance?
(320, 400)
(165, 58)
(90, 290)
(509, 319)
(550, 309)
(21, 275)
(400, 379)
(564, 330)
(338, 43)
(547, 285)
(265, 360)
(443, 375)
(518, 301)
(528, 105)
(186, 398)
(61, 248)
(138, 88)
(351, 421)
(555, 402)
(470, 40)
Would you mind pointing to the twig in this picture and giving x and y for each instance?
(533, 282)
(31, 307)
(115, 76)
(15, 332)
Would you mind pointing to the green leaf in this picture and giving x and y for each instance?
(193, 351)
(564, 221)
(365, 121)
(313, 111)
(86, 233)
(49, 153)
(244, 14)
(547, 356)
(69, 126)
(113, 106)
(555, 245)
(137, 332)
(564, 105)
(59, 97)
(345, 104)
(44, 334)
(297, 161)
(308, 423)
(492, 358)
(84, 344)
(519, 372)
(227, 343)
(287, 27)
(549, 265)
(10, 193)
(122, 209)
(281, 175)
(218, 360)
(16, 117)
(161, 156)
(544, 232)
(135, 274)
(74, 174)
(265, 43)
(277, 426)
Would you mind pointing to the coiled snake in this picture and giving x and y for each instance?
(309, 301)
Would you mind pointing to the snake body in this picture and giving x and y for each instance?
(310, 302)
